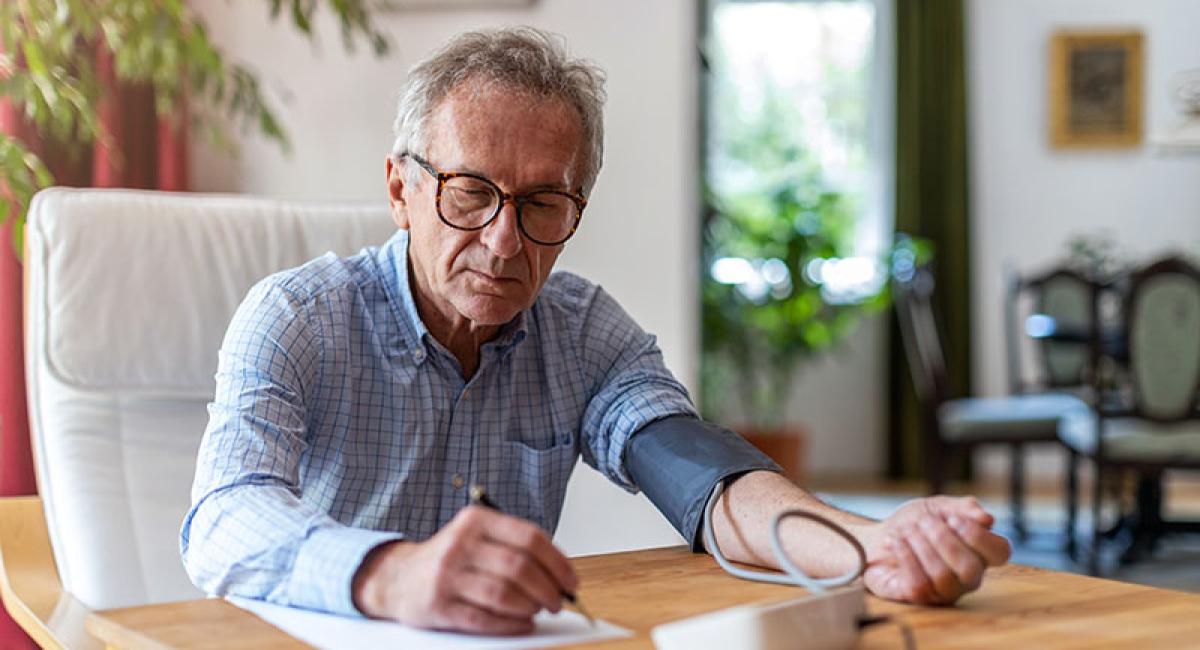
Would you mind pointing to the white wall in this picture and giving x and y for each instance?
(841, 400)
(639, 235)
(1029, 198)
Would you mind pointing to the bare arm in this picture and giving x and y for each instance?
(742, 519)
(929, 551)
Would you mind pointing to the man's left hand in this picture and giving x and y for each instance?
(931, 551)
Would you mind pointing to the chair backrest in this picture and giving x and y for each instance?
(1060, 311)
(129, 296)
(1163, 317)
(913, 298)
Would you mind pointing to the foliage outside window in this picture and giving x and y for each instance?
(787, 187)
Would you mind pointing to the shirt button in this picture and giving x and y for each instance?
(418, 355)
(457, 481)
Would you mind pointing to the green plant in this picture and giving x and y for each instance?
(48, 71)
(765, 305)
(757, 333)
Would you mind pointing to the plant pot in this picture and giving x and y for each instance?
(786, 445)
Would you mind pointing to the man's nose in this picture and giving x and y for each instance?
(503, 234)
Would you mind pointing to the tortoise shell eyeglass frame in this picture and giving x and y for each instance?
(518, 200)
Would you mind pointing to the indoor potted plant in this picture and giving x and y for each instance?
(769, 305)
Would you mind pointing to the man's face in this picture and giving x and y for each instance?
(485, 276)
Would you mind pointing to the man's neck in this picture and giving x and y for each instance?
(462, 337)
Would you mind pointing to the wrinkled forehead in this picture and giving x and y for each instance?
(484, 120)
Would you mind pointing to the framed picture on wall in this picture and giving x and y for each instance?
(1096, 88)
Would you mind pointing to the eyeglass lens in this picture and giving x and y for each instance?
(470, 203)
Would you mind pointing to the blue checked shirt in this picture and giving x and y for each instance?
(340, 423)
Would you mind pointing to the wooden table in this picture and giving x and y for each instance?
(1018, 607)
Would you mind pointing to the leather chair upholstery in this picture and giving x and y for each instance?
(129, 295)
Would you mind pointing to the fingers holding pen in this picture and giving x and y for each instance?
(505, 570)
(462, 616)
(531, 540)
(496, 595)
(520, 569)
(484, 572)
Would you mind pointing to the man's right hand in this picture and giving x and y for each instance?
(484, 572)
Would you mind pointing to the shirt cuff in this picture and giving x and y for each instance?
(638, 413)
(323, 575)
(677, 461)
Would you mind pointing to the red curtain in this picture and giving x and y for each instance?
(146, 152)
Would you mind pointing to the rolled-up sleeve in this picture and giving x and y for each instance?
(630, 386)
(640, 428)
(677, 461)
(249, 533)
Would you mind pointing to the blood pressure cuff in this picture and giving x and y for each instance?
(677, 461)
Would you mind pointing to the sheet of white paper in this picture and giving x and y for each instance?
(331, 632)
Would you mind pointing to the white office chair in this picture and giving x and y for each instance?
(129, 296)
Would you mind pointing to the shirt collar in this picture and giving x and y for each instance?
(396, 256)
(394, 268)
(511, 333)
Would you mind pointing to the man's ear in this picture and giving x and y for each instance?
(395, 185)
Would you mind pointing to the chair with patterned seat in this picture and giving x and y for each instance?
(1156, 427)
(1051, 319)
(1062, 307)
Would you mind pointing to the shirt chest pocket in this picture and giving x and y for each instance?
(544, 459)
(541, 468)
(544, 440)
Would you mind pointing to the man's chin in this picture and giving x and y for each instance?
(490, 310)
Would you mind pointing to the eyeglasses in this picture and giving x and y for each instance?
(470, 202)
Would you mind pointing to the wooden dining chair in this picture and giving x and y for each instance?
(1156, 426)
(1055, 311)
(1053, 318)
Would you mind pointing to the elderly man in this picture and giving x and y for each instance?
(358, 399)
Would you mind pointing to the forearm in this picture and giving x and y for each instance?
(260, 541)
(742, 520)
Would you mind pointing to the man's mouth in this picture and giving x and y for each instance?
(492, 278)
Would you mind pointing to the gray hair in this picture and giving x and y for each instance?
(522, 59)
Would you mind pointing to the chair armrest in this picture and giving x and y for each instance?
(29, 581)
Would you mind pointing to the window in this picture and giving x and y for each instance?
(799, 136)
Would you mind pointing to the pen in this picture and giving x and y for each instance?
(479, 496)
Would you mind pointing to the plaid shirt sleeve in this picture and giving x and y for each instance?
(630, 386)
(249, 532)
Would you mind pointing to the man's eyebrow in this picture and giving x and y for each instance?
(557, 186)
(467, 170)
